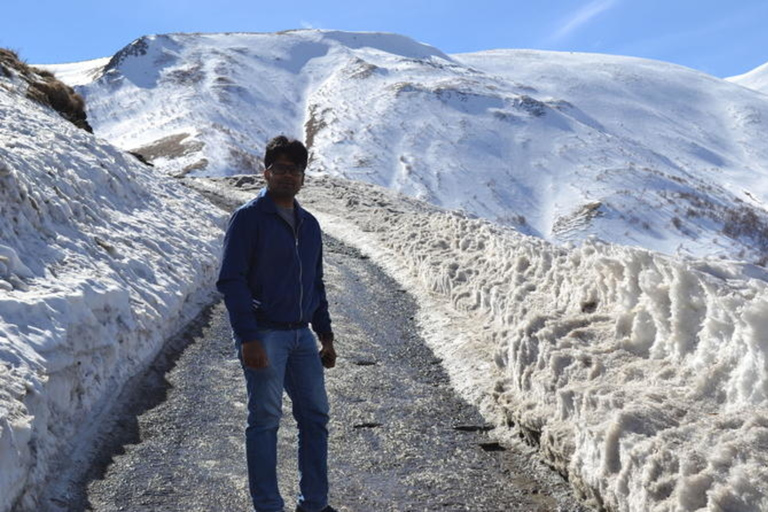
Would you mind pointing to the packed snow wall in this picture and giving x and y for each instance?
(641, 377)
(100, 261)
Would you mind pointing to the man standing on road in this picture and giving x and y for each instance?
(272, 280)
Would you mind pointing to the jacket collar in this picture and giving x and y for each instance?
(265, 203)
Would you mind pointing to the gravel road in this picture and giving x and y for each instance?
(401, 439)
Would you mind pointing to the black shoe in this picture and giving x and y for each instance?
(326, 509)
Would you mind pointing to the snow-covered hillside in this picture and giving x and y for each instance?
(562, 146)
(101, 259)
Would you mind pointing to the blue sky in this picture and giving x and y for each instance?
(723, 38)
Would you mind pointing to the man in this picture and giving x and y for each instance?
(272, 280)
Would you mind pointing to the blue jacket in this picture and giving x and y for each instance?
(269, 275)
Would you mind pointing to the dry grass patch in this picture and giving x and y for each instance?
(44, 88)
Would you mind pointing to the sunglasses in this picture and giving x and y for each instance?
(279, 169)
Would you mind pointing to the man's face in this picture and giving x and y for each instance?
(284, 178)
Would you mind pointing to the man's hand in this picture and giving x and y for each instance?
(327, 352)
(254, 355)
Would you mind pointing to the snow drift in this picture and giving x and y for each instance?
(101, 259)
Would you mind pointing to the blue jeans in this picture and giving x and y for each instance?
(294, 364)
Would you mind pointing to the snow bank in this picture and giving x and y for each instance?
(100, 261)
(642, 378)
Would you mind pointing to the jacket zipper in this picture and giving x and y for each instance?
(301, 268)
(301, 273)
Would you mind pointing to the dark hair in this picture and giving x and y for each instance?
(292, 149)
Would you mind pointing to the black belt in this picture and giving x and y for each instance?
(282, 326)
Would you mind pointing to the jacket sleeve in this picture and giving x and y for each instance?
(321, 319)
(239, 245)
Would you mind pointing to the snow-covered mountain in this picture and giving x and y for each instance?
(101, 259)
(559, 145)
